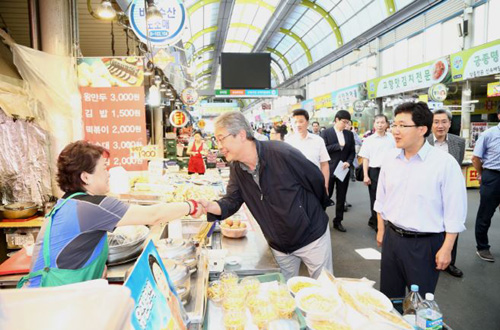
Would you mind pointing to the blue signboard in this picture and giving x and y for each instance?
(157, 305)
(161, 32)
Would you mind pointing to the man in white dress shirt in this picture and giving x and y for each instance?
(311, 145)
(373, 150)
(421, 194)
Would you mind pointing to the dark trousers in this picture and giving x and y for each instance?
(407, 261)
(489, 199)
(454, 252)
(373, 173)
(341, 193)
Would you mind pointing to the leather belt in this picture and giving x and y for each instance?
(410, 234)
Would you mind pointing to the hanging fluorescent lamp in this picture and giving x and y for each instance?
(154, 98)
(153, 14)
(105, 10)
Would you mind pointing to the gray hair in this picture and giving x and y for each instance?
(234, 122)
(439, 111)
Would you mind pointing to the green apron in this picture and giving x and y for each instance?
(57, 276)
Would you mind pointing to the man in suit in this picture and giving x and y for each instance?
(455, 146)
(340, 146)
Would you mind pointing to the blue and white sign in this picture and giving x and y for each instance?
(161, 32)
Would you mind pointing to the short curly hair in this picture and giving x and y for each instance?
(76, 158)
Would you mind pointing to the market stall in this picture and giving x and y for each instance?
(222, 272)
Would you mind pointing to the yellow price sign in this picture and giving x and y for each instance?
(145, 152)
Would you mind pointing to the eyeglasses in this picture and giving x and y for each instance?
(219, 140)
(401, 126)
(346, 121)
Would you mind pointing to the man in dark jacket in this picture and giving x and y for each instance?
(340, 145)
(283, 190)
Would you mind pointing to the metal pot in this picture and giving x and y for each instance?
(20, 210)
(180, 276)
(179, 249)
(126, 243)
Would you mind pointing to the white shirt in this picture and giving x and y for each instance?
(260, 137)
(424, 194)
(375, 147)
(340, 137)
(312, 146)
(441, 145)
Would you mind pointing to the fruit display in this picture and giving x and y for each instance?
(234, 228)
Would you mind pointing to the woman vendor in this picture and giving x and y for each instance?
(72, 245)
(196, 150)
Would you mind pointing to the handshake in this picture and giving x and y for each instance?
(201, 206)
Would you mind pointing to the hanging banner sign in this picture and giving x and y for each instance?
(349, 94)
(493, 89)
(476, 62)
(178, 118)
(246, 93)
(323, 101)
(414, 78)
(189, 96)
(438, 92)
(113, 107)
(157, 305)
(162, 32)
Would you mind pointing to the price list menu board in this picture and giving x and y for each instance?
(114, 118)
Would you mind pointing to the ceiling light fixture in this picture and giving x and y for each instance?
(153, 14)
(105, 10)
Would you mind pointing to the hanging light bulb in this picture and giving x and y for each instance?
(153, 14)
(105, 10)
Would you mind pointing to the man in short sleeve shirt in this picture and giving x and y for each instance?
(486, 160)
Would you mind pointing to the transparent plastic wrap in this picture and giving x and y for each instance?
(23, 161)
(49, 94)
(127, 235)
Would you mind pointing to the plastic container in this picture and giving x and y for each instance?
(429, 315)
(235, 320)
(410, 305)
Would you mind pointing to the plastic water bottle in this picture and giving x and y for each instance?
(410, 305)
(429, 317)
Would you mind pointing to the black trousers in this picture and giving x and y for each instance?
(373, 173)
(489, 200)
(407, 261)
(341, 193)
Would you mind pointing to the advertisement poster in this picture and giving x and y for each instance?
(113, 106)
(476, 62)
(349, 94)
(476, 130)
(493, 89)
(417, 77)
(157, 305)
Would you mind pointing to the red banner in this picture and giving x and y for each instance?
(115, 119)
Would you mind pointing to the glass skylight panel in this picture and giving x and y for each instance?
(376, 10)
(197, 21)
(325, 47)
(402, 3)
(347, 9)
(295, 52)
(327, 4)
(285, 44)
(300, 64)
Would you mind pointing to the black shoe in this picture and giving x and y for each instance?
(454, 271)
(339, 227)
(486, 255)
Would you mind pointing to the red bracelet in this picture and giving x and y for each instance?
(195, 206)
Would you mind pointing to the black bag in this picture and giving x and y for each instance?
(359, 173)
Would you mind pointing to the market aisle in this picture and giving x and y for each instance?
(471, 302)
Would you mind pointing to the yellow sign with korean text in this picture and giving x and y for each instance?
(323, 101)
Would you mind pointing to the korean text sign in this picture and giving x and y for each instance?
(113, 107)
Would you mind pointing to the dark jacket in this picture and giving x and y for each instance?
(456, 146)
(337, 154)
(290, 203)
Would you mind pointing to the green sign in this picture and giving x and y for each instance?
(414, 78)
(222, 92)
(476, 62)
